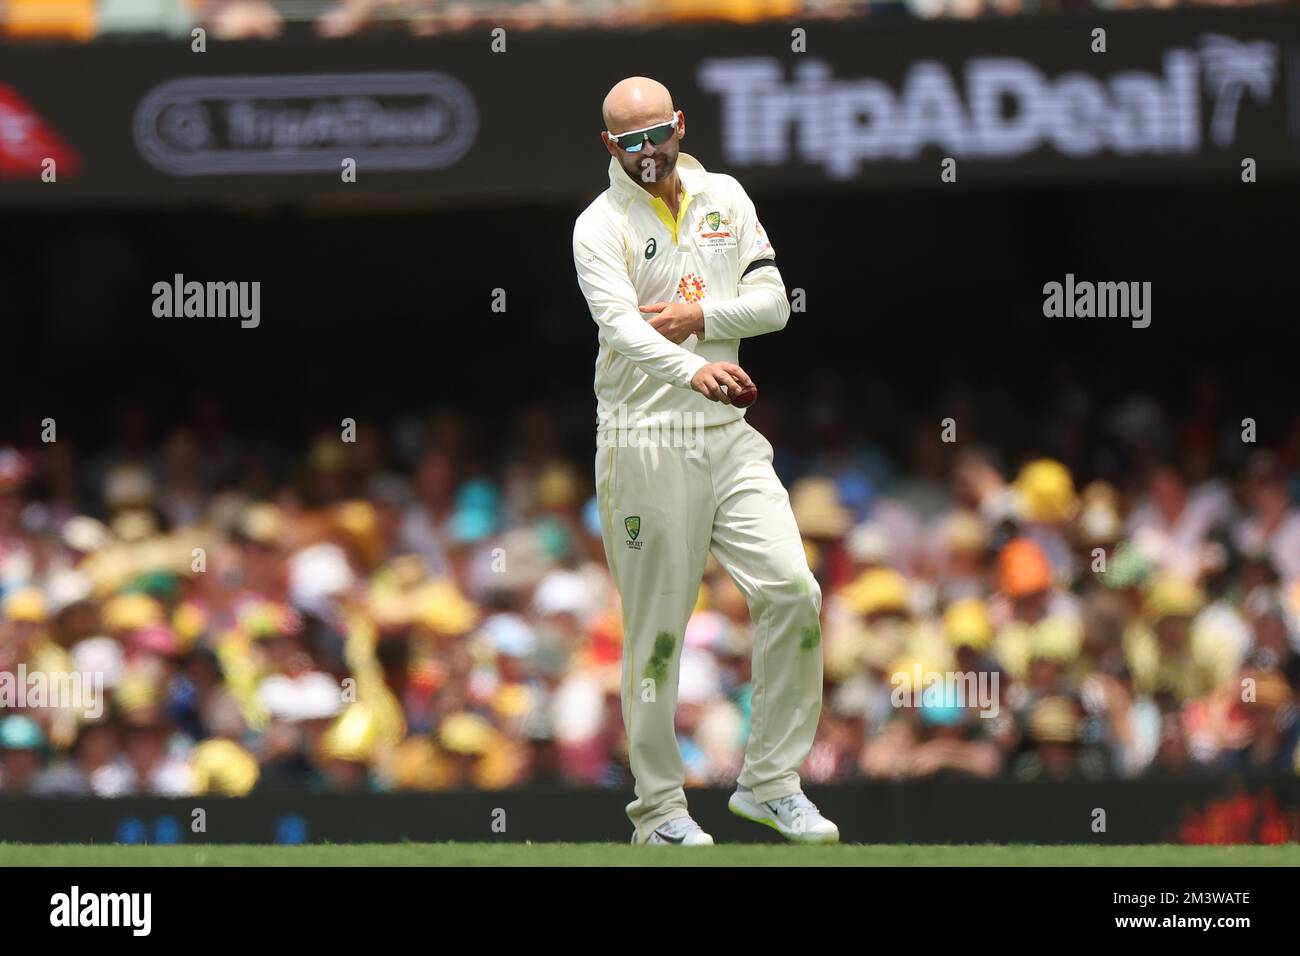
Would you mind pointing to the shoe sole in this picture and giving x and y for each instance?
(706, 840)
(739, 808)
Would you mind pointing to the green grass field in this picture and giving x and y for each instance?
(610, 854)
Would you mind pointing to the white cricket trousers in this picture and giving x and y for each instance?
(663, 509)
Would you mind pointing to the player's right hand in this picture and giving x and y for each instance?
(709, 381)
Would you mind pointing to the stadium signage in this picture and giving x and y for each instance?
(1188, 95)
(305, 123)
(1173, 809)
(996, 108)
(28, 145)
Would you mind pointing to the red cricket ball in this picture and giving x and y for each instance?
(745, 397)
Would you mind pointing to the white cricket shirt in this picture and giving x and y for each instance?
(629, 251)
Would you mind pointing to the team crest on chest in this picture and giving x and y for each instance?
(714, 232)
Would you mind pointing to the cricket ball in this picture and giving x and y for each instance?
(745, 397)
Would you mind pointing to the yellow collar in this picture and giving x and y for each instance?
(692, 175)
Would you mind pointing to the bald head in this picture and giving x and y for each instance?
(636, 103)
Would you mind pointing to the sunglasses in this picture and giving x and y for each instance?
(658, 134)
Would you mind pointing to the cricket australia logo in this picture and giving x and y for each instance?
(714, 232)
(633, 525)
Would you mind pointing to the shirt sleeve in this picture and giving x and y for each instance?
(760, 304)
(603, 278)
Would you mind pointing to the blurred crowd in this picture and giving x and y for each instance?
(386, 609)
(263, 19)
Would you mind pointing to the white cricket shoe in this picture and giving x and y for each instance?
(794, 817)
(679, 831)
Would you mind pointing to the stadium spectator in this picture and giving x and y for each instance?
(22, 749)
(400, 613)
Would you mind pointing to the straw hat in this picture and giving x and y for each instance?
(817, 508)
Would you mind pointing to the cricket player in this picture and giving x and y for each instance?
(677, 269)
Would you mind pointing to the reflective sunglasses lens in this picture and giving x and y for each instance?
(660, 134)
(632, 142)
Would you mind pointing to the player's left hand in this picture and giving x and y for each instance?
(676, 321)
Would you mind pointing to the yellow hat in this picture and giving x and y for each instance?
(135, 526)
(440, 607)
(388, 607)
(557, 486)
(136, 693)
(127, 612)
(466, 733)
(27, 605)
(189, 622)
(404, 571)
(1170, 596)
(222, 766)
(356, 518)
(877, 590)
(902, 673)
(416, 765)
(109, 570)
(159, 554)
(353, 736)
(499, 766)
(1055, 638)
(1054, 720)
(400, 599)
(359, 521)
(512, 700)
(1045, 490)
(262, 523)
(966, 624)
